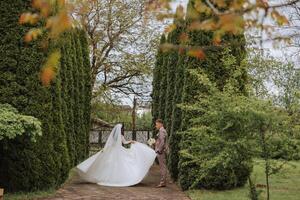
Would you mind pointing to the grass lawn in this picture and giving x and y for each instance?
(285, 185)
(29, 196)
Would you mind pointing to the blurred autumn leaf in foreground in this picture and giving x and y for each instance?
(54, 15)
(50, 68)
(226, 17)
(221, 17)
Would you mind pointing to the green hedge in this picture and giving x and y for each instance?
(63, 107)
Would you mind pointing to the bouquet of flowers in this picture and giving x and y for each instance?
(151, 142)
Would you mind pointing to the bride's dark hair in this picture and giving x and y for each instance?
(123, 129)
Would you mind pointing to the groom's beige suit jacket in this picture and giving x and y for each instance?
(161, 141)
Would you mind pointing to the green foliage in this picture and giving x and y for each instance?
(26, 165)
(212, 162)
(87, 86)
(216, 150)
(163, 86)
(283, 77)
(157, 75)
(230, 130)
(13, 124)
(173, 38)
(281, 145)
(179, 86)
(174, 138)
(144, 121)
(213, 64)
(284, 185)
(112, 113)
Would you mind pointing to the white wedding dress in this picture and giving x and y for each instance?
(116, 165)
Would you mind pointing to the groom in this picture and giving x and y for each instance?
(160, 149)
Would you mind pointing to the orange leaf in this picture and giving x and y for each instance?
(202, 7)
(184, 38)
(47, 75)
(49, 23)
(262, 3)
(217, 38)
(233, 23)
(207, 25)
(58, 24)
(280, 19)
(37, 4)
(197, 53)
(237, 5)
(50, 67)
(166, 47)
(61, 3)
(33, 34)
(220, 3)
(28, 37)
(28, 18)
(22, 18)
(170, 28)
(42, 5)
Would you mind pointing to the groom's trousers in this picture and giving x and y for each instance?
(163, 168)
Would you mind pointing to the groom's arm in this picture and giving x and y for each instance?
(162, 138)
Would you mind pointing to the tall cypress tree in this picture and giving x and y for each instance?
(87, 83)
(187, 86)
(76, 96)
(174, 138)
(25, 165)
(81, 137)
(69, 67)
(157, 75)
(163, 82)
(66, 112)
(174, 39)
(58, 125)
(212, 64)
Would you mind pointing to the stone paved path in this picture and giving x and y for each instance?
(76, 189)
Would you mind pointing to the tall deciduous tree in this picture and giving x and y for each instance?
(122, 42)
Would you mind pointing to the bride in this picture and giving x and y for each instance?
(116, 165)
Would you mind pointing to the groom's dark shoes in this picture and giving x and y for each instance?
(161, 185)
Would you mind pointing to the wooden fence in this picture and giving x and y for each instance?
(98, 137)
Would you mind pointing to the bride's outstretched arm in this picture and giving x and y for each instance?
(124, 141)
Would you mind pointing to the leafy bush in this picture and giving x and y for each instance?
(13, 124)
(284, 147)
(211, 162)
